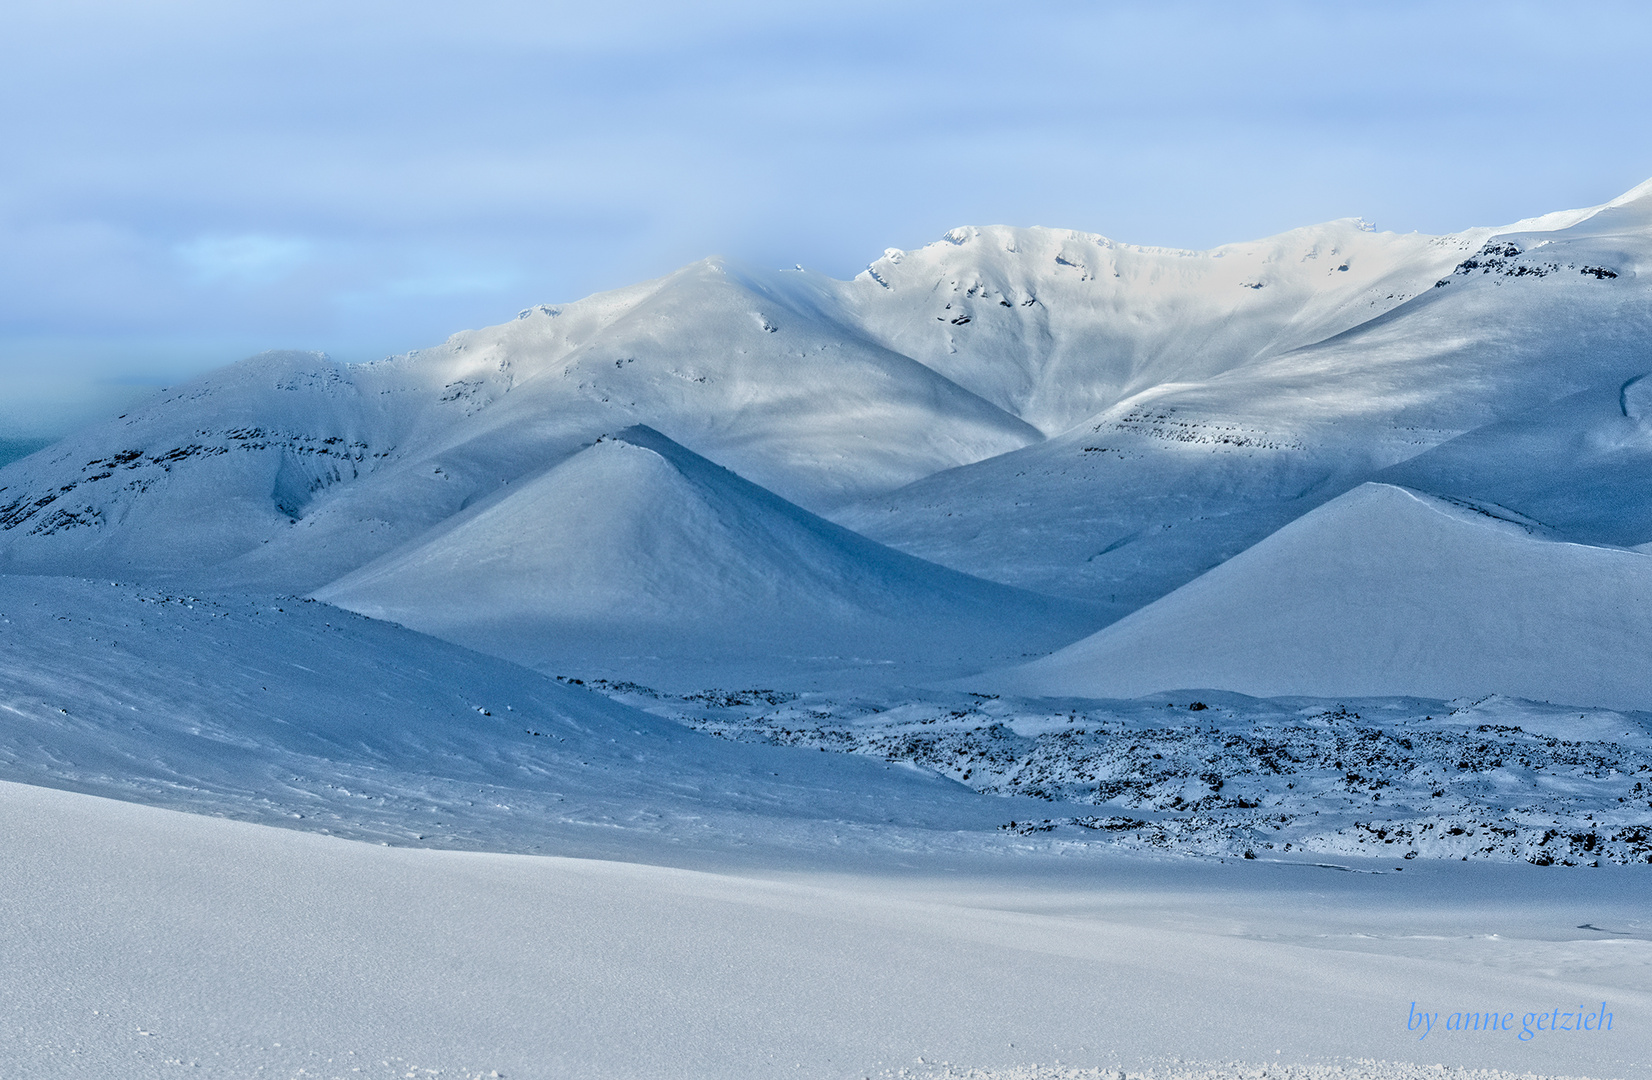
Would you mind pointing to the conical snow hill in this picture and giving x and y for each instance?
(1385, 591)
(637, 555)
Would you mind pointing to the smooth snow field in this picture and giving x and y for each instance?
(1038, 657)
(146, 943)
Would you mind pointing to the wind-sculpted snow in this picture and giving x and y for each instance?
(639, 558)
(145, 944)
(1344, 1069)
(1499, 778)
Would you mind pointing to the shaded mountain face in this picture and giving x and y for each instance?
(296, 714)
(1581, 467)
(1049, 410)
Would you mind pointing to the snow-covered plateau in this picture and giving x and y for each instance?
(1036, 657)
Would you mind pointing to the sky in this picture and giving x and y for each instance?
(186, 183)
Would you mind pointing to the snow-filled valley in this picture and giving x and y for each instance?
(1033, 656)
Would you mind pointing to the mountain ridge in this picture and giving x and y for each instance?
(1042, 408)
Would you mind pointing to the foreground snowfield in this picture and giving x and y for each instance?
(145, 943)
(749, 906)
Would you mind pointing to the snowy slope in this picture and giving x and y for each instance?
(639, 558)
(234, 473)
(144, 944)
(291, 712)
(295, 713)
(1118, 511)
(1383, 591)
(1581, 467)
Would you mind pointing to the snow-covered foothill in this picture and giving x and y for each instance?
(637, 558)
(291, 712)
(1384, 592)
(1580, 467)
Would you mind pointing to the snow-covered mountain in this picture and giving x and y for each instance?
(331, 465)
(635, 557)
(1159, 486)
(866, 597)
(1048, 410)
(1384, 592)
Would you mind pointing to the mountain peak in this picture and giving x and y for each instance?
(637, 547)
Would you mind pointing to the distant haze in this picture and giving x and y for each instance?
(188, 183)
(12, 449)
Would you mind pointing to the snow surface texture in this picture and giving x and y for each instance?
(1383, 591)
(1229, 1070)
(142, 943)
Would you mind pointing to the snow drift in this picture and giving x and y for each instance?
(1385, 591)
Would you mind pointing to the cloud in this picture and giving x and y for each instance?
(246, 259)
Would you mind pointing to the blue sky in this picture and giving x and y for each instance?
(187, 182)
